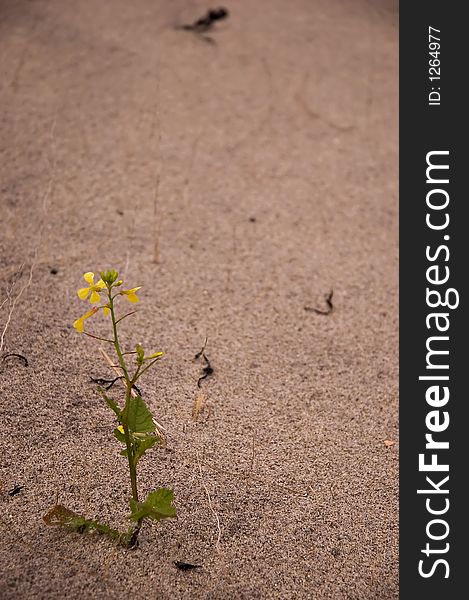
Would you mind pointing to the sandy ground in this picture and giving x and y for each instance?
(273, 153)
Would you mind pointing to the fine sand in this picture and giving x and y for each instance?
(239, 181)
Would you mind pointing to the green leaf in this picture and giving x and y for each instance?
(110, 402)
(157, 506)
(119, 435)
(141, 446)
(60, 515)
(139, 419)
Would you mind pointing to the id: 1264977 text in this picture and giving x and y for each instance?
(434, 73)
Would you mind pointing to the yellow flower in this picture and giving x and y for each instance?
(79, 324)
(106, 310)
(131, 295)
(121, 429)
(95, 289)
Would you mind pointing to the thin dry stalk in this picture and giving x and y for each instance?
(157, 212)
(190, 168)
(12, 302)
(210, 505)
(199, 406)
(157, 219)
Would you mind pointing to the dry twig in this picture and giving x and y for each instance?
(210, 505)
(13, 301)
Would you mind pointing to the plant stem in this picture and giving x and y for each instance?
(128, 390)
(96, 337)
(128, 399)
(116, 340)
(140, 373)
(130, 455)
(133, 538)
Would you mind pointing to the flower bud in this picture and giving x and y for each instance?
(140, 354)
(109, 276)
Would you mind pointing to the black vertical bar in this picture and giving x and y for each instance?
(433, 119)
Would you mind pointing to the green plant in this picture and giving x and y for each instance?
(135, 425)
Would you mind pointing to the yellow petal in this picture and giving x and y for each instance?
(106, 310)
(101, 284)
(94, 297)
(121, 429)
(89, 277)
(83, 293)
(131, 295)
(79, 325)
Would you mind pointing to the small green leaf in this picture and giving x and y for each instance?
(141, 446)
(157, 506)
(139, 419)
(119, 436)
(110, 402)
